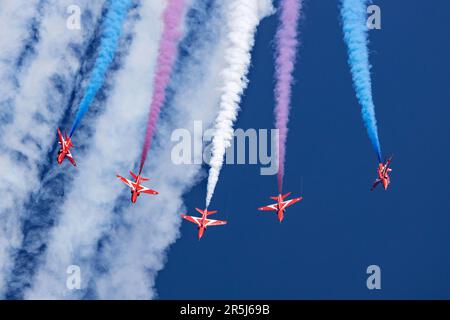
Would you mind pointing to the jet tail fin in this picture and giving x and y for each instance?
(133, 175)
(274, 198)
(66, 138)
(211, 212)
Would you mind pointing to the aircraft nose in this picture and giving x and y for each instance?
(280, 216)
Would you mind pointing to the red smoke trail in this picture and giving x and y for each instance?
(166, 58)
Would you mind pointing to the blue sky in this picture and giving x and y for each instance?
(326, 242)
(52, 217)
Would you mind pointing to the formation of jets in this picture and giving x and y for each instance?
(203, 222)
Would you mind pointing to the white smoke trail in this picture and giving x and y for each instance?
(243, 17)
(138, 249)
(38, 108)
(88, 209)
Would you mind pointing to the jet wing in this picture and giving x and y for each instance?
(71, 159)
(289, 203)
(195, 220)
(210, 223)
(147, 190)
(127, 182)
(60, 138)
(375, 184)
(271, 207)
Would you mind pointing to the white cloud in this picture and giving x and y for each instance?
(87, 210)
(26, 141)
(16, 18)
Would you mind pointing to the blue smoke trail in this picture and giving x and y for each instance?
(112, 27)
(354, 18)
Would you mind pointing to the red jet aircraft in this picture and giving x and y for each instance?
(281, 205)
(203, 222)
(66, 144)
(383, 174)
(136, 187)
